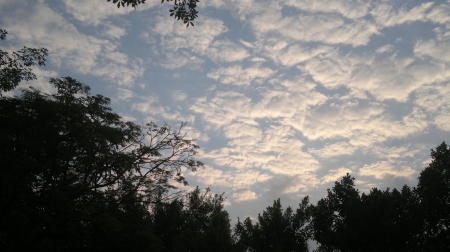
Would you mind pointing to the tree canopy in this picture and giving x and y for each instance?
(184, 10)
(275, 230)
(15, 67)
(67, 157)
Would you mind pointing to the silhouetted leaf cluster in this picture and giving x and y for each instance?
(184, 10)
(15, 67)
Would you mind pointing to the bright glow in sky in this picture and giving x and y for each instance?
(284, 97)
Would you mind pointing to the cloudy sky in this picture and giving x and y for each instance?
(284, 97)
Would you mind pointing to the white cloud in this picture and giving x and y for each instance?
(177, 60)
(394, 153)
(335, 174)
(436, 50)
(325, 28)
(292, 55)
(40, 26)
(386, 14)
(236, 75)
(179, 95)
(349, 9)
(439, 13)
(332, 150)
(385, 48)
(226, 51)
(435, 99)
(124, 94)
(95, 12)
(175, 36)
(362, 126)
(244, 196)
(237, 180)
(332, 70)
(113, 31)
(384, 168)
(223, 108)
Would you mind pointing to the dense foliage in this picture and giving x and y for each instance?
(69, 161)
(275, 230)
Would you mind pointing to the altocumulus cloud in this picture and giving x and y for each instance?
(292, 92)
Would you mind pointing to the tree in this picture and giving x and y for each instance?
(196, 223)
(378, 221)
(434, 195)
(334, 217)
(184, 10)
(275, 230)
(15, 68)
(68, 159)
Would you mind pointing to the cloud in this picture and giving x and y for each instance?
(292, 55)
(197, 40)
(236, 75)
(387, 15)
(95, 12)
(394, 153)
(113, 31)
(244, 196)
(335, 175)
(124, 94)
(362, 126)
(150, 106)
(40, 26)
(226, 51)
(348, 9)
(385, 77)
(179, 95)
(174, 60)
(381, 169)
(333, 150)
(435, 100)
(235, 180)
(383, 49)
(324, 28)
(275, 149)
(435, 50)
(224, 108)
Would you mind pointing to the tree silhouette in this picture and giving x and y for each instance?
(184, 10)
(67, 159)
(434, 195)
(15, 67)
(275, 230)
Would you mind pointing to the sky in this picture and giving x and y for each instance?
(283, 97)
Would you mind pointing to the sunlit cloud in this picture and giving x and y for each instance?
(284, 97)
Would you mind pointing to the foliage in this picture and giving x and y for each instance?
(275, 230)
(184, 10)
(69, 162)
(15, 67)
(334, 217)
(196, 223)
(412, 219)
(434, 194)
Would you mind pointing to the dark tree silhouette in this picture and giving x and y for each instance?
(434, 195)
(196, 223)
(15, 67)
(68, 159)
(275, 230)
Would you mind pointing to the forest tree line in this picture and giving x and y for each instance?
(76, 177)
